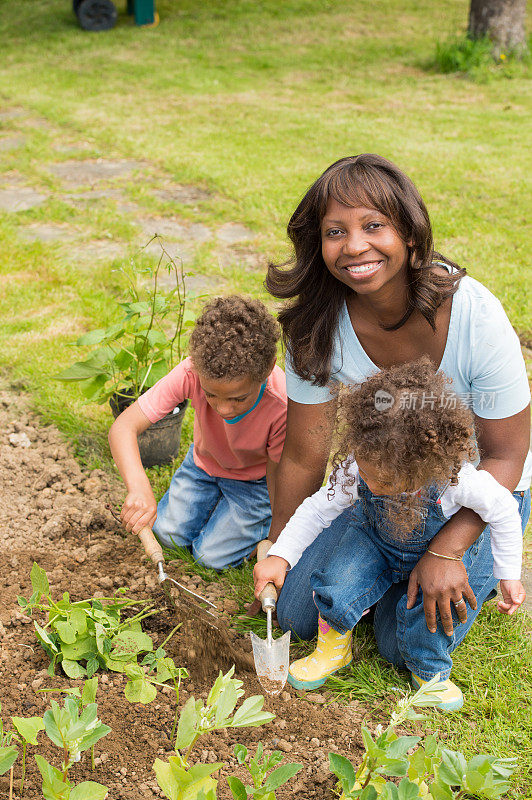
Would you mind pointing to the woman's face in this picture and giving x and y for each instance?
(361, 248)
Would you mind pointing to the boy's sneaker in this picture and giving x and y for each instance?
(333, 651)
(450, 697)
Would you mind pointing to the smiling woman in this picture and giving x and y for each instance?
(365, 221)
(369, 292)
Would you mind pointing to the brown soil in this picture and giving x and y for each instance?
(54, 513)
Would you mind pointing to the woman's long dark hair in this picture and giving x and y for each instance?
(310, 322)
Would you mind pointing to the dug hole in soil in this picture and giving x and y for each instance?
(54, 513)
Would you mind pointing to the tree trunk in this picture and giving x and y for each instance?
(503, 21)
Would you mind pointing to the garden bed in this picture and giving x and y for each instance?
(54, 513)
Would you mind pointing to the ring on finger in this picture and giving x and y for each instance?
(458, 602)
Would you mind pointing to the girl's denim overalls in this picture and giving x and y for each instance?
(368, 561)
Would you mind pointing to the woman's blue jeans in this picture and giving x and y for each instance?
(355, 564)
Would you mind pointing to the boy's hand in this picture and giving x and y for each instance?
(271, 570)
(139, 510)
(513, 594)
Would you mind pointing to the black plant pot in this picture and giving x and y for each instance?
(159, 444)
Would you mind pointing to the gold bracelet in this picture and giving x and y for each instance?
(440, 555)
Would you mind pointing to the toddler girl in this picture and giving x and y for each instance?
(404, 464)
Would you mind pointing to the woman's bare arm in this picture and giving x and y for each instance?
(304, 459)
(271, 472)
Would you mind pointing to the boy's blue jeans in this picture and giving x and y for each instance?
(221, 520)
(355, 564)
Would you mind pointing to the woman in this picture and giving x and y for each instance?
(370, 292)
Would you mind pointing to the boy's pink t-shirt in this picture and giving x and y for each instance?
(239, 451)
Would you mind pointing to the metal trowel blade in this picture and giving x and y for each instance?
(271, 661)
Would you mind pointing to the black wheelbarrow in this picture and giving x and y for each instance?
(101, 15)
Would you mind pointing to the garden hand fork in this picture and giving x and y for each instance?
(153, 550)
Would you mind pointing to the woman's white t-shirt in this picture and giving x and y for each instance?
(482, 358)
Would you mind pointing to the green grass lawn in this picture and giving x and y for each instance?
(250, 102)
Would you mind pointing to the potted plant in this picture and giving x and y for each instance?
(136, 351)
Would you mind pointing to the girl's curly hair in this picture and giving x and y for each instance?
(405, 421)
(234, 337)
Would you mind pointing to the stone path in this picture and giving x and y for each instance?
(94, 184)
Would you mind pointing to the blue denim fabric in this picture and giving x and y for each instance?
(221, 520)
(356, 563)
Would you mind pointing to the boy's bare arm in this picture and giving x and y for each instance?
(140, 508)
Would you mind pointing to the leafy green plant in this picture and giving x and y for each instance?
(177, 778)
(74, 728)
(463, 55)
(83, 697)
(264, 785)
(85, 635)
(198, 718)
(8, 750)
(156, 669)
(430, 772)
(135, 352)
(26, 730)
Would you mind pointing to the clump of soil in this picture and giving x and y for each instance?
(206, 642)
(53, 512)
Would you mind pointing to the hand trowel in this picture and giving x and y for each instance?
(271, 655)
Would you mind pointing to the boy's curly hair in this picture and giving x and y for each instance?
(234, 337)
(406, 421)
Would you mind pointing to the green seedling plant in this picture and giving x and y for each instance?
(429, 772)
(177, 778)
(135, 352)
(74, 730)
(155, 669)
(26, 730)
(264, 785)
(86, 635)
(82, 696)
(8, 750)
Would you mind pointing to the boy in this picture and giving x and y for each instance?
(218, 503)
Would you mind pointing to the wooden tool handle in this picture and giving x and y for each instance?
(151, 546)
(263, 548)
(268, 596)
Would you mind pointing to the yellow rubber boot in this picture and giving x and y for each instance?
(333, 651)
(450, 697)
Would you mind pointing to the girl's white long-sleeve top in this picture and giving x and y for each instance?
(476, 489)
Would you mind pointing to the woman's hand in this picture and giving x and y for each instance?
(442, 583)
(139, 510)
(513, 594)
(271, 570)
